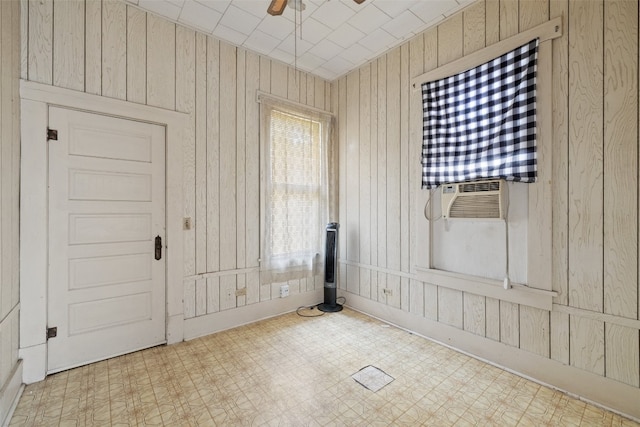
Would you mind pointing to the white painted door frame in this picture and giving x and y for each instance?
(35, 101)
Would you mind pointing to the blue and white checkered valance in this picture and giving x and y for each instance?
(481, 123)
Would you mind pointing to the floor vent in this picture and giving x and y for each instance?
(372, 378)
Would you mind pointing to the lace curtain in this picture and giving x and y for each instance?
(296, 192)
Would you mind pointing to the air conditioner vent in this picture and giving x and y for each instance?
(475, 200)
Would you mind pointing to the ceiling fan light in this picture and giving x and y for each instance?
(358, 1)
(277, 7)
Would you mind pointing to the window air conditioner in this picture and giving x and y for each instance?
(480, 200)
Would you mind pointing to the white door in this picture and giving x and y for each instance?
(106, 293)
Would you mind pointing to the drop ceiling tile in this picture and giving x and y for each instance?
(310, 61)
(325, 74)
(368, 19)
(338, 65)
(217, 5)
(199, 16)
(313, 31)
(276, 27)
(261, 42)
(377, 39)
(294, 44)
(230, 35)
(162, 8)
(356, 53)
(333, 14)
(256, 8)
(240, 20)
(461, 6)
(326, 49)
(345, 36)
(427, 11)
(282, 56)
(394, 8)
(178, 3)
(403, 24)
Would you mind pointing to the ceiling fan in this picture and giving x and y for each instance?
(277, 6)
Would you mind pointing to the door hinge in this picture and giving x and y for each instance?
(52, 135)
(52, 332)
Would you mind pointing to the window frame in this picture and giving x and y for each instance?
(537, 292)
(269, 102)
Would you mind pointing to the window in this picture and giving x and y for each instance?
(295, 191)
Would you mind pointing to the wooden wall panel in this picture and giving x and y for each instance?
(414, 179)
(114, 49)
(240, 170)
(352, 249)
(474, 27)
(364, 193)
(474, 313)
(621, 158)
(161, 83)
(492, 16)
(532, 13)
(559, 337)
(416, 303)
(199, 249)
(585, 152)
(450, 307)
(382, 172)
(252, 180)
(68, 45)
(353, 180)
(15, 72)
(93, 46)
(201, 297)
(373, 185)
(534, 330)
(137, 55)
(509, 18)
(493, 318)
(392, 162)
(342, 189)
(11, 61)
(227, 171)
(213, 156)
(40, 56)
(510, 323)
(586, 343)
(560, 153)
(430, 301)
(622, 358)
(185, 102)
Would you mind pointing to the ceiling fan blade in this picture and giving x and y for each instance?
(277, 7)
(358, 1)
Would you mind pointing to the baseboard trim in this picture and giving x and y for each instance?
(223, 320)
(603, 392)
(10, 393)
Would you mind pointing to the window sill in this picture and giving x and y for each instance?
(518, 293)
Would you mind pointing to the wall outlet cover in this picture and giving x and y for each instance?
(284, 291)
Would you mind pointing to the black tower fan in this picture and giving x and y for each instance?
(331, 270)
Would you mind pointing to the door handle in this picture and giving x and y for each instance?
(158, 247)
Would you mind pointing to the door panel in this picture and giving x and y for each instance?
(106, 205)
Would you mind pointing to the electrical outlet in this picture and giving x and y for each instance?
(387, 292)
(186, 223)
(284, 291)
(241, 292)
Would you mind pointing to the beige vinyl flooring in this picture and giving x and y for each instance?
(295, 371)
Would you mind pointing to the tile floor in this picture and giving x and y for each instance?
(294, 371)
